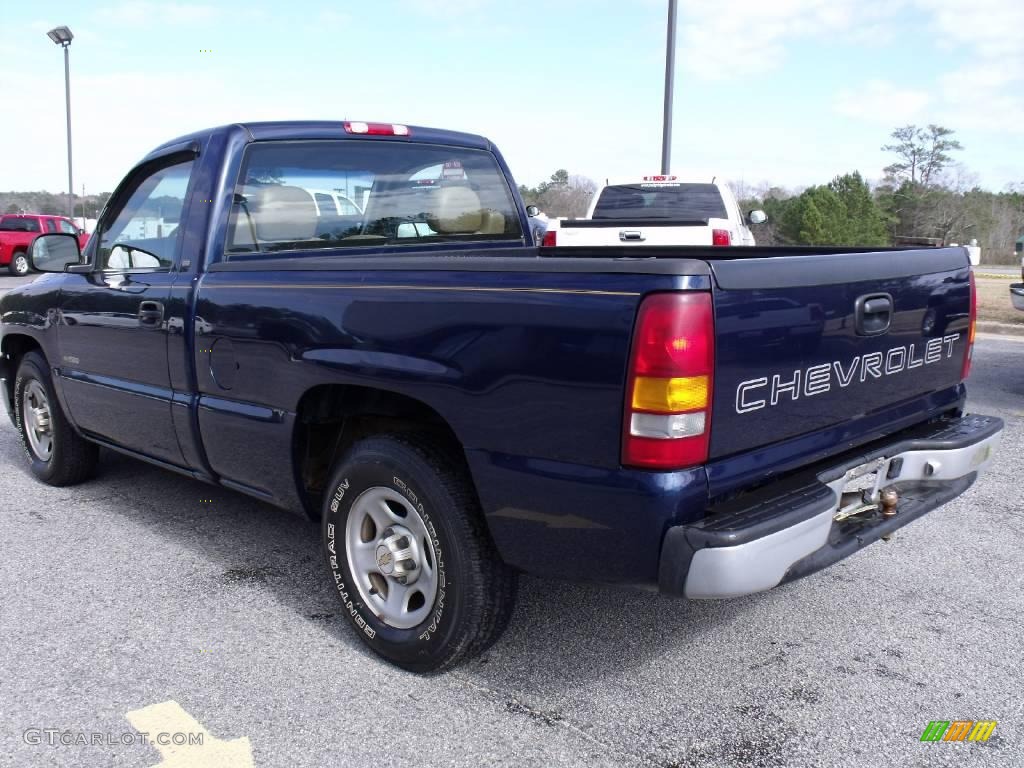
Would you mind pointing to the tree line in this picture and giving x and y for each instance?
(925, 197)
(88, 206)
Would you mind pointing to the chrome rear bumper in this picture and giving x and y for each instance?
(788, 531)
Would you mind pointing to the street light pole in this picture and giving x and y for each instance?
(670, 70)
(62, 36)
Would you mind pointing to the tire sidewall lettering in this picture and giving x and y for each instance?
(20, 382)
(339, 577)
(19, 417)
(435, 542)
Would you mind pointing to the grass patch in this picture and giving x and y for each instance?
(994, 303)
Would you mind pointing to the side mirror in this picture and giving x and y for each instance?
(532, 210)
(53, 253)
(757, 217)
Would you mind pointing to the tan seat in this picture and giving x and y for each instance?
(493, 223)
(456, 211)
(284, 214)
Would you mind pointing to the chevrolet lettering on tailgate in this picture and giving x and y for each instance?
(755, 394)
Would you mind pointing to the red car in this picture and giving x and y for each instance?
(19, 230)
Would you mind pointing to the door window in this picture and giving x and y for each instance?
(143, 233)
(67, 227)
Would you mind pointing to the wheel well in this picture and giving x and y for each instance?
(331, 417)
(14, 348)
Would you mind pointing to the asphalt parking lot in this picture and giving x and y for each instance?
(133, 591)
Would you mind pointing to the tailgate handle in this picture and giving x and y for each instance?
(873, 314)
(634, 235)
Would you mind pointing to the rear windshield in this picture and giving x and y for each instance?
(19, 224)
(309, 195)
(685, 202)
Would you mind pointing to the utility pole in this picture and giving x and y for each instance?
(670, 70)
(62, 36)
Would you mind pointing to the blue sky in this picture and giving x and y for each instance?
(791, 92)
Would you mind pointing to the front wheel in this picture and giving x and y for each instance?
(58, 455)
(19, 266)
(410, 557)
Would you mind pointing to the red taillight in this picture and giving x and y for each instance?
(550, 238)
(377, 129)
(667, 421)
(720, 237)
(969, 353)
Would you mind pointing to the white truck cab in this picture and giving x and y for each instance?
(659, 210)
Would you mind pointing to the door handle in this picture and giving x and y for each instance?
(873, 314)
(631, 235)
(151, 314)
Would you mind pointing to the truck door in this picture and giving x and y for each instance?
(113, 332)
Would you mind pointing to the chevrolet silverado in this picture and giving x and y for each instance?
(458, 406)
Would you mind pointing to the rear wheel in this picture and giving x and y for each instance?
(59, 456)
(19, 265)
(409, 554)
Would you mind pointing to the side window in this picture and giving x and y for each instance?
(51, 225)
(67, 227)
(310, 195)
(143, 233)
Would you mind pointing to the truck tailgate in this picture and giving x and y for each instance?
(646, 232)
(807, 342)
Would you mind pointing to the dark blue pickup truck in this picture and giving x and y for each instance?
(351, 320)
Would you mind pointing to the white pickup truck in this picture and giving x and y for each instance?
(658, 210)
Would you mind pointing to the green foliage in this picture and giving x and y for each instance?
(842, 213)
(922, 153)
(561, 195)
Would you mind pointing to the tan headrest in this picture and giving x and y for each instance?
(284, 213)
(456, 211)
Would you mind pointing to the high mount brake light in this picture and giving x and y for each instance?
(667, 421)
(377, 129)
(660, 178)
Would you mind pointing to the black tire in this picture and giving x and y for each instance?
(72, 459)
(19, 266)
(477, 590)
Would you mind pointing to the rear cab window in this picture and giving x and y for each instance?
(312, 195)
(683, 202)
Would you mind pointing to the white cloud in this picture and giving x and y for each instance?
(986, 93)
(879, 101)
(734, 38)
(144, 13)
(992, 28)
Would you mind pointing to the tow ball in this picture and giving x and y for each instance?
(861, 502)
